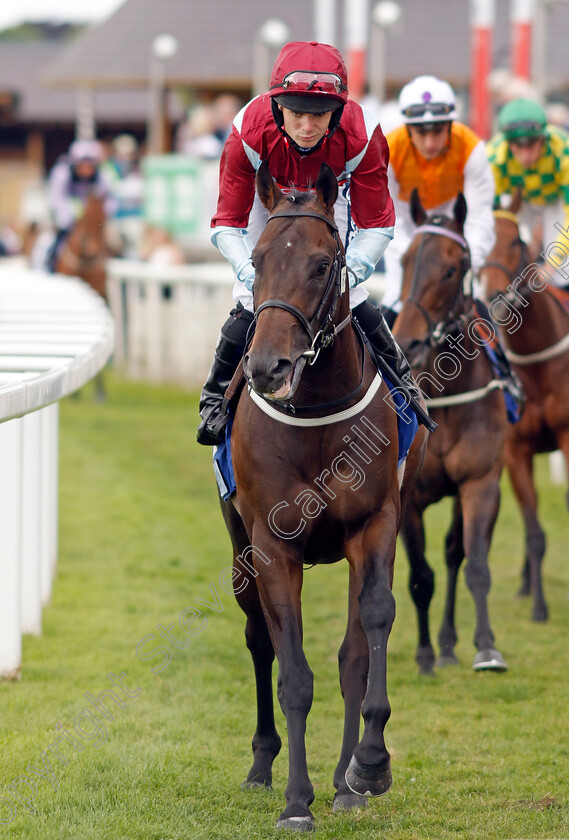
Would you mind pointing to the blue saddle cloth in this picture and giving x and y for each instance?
(513, 408)
(407, 426)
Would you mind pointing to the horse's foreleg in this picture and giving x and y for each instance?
(266, 741)
(371, 555)
(279, 580)
(519, 461)
(421, 582)
(353, 659)
(454, 555)
(480, 502)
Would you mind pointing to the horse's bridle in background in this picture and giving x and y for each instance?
(320, 329)
(510, 296)
(454, 322)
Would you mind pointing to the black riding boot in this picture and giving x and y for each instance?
(228, 353)
(375, 327)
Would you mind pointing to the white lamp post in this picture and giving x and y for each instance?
(271, 36)
(385, 16)
(163, 47)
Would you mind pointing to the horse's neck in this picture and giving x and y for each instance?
(536, 325)
(456, 366)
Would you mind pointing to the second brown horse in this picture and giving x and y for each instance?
(438, 329)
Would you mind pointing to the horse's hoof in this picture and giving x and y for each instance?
(256, 783)
(348, 802)
(368, 780)
(296, 823)
(425, 659)
(489, 660)
(540, 614)
(447, 660)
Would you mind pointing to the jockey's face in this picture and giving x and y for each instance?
(527, 153)
(430, 140)
(85, 169)
(305, 129)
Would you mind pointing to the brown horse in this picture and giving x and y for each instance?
(85, 251)
(437, 329)
(315, 457)
(535, 329)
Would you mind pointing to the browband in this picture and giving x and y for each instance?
(440, 231)
(295, 213)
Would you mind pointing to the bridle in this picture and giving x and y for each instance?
(457, 318)
(510, 295)
(320, 328)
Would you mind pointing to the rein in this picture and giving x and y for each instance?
(320, 328)
(455, 321)
(322, 332)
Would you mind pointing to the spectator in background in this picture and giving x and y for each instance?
(224, 109)
(208, 127)
(122, 170)
(11, 242)
(196, 137)
(71, 181)
(557, 113)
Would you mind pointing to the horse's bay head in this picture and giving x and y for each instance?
(434, 268)
(294, 259)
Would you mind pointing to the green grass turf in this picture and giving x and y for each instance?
(141, 537)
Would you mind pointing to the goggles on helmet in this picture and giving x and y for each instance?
(304, 81)
(523, 130)
(437, 109)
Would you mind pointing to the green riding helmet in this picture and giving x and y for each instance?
(521, 119)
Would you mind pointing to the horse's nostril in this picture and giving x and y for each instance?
(281, 368)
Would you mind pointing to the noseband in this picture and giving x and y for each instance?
(320, 328)
(438, 332)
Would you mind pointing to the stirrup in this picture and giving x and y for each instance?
(211, 430)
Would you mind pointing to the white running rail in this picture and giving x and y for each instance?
(55, 334)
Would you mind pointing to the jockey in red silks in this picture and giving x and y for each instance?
(304, 120)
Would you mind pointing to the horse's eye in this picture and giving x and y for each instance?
(450, 272)
(323, 268)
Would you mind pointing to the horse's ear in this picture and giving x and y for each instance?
(327, 187)
(459, 210)
(418, 213)
(267, 189)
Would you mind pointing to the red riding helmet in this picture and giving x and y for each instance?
(309, 78)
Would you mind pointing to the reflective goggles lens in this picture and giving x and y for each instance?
(523, 130)
(436, 109)
(305, 80)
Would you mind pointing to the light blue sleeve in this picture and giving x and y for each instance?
(235, 245)
(365, 251)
